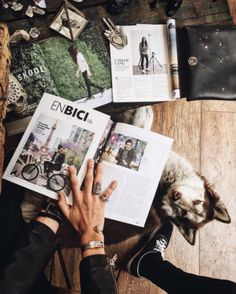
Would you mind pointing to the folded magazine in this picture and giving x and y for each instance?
(62, 133)
(78, 72)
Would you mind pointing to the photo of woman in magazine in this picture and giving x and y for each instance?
(124, 151)
(50, 149)
(146, 53)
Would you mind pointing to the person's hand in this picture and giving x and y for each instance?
(87, 212)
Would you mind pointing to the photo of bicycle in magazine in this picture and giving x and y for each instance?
(50, 149)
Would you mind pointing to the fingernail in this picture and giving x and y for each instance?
(100, 166)
(114, 184)
(91, 162)
(71, 167)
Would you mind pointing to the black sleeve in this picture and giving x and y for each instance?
(27, 263)
(96, 276)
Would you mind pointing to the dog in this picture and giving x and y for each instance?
(183, 196)
(187, 199)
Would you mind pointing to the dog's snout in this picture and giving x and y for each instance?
(176, 195)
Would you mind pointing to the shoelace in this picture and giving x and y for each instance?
(160, 246)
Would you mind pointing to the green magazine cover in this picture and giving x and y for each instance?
(79, 72)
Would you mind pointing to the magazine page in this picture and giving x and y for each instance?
(140, 70)
(135, 158)
(78, 73)
(60, 134)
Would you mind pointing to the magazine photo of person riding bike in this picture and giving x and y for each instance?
(50, 149)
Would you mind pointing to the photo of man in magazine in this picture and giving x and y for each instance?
(124, 151)
(59, 145)
(58, 159)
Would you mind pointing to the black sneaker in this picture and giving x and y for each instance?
(156, 243)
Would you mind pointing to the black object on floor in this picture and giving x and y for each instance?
(173, 6)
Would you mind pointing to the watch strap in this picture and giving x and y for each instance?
(52, 211)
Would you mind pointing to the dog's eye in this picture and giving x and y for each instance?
(196, 202)
(176, 195)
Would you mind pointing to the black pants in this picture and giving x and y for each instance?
(175, 281)
(144, 57)
(16, 275)
(89, 84)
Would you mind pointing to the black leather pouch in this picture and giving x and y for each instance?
(210, 62)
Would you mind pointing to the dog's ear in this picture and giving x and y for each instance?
(220, 212)
(188, 233)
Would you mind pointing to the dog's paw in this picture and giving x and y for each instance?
(31, 205)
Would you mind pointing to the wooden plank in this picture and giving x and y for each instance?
(217, 105)
(232, 9)
(181, 120)
(207, 7)
(218, 163)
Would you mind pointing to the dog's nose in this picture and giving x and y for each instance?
(176, 195)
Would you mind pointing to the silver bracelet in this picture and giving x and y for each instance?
(92, 245)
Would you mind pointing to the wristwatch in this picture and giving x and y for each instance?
(51, 211)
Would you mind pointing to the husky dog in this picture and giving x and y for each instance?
(187, 199)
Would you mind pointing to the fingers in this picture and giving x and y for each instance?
(98, 179)
(64, 207)
(89, 176)
(75, 187)
(109, 190)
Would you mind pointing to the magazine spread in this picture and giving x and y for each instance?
(79, 73)
(62, 133)
(147, 68)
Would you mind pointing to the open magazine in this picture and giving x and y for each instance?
(62, 133)
(78, 72)
(147, 68)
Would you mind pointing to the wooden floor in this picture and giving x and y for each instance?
(204, 133)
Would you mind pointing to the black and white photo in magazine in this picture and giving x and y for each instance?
(147, 53)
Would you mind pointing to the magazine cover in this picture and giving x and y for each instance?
(60, 134)
(141, 70)
(78, 73)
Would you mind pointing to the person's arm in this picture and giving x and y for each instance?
(87, 217)
(30, 258)
(118, 154)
